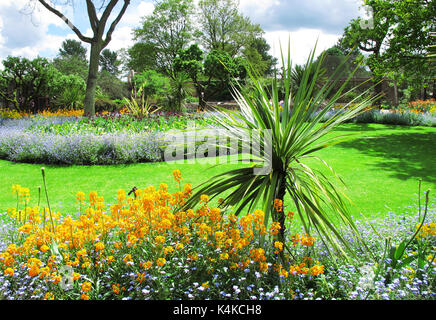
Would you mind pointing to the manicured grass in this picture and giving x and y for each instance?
(381, 172)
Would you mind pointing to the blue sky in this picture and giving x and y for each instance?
(41, 33)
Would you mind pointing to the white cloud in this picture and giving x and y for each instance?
(302, 42)
(25, 29)
(122, 36)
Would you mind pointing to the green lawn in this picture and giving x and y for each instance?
(381, 172)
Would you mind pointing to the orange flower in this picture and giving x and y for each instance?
(99, 246)
(161, 262)
(49, 296)
(86, 286)
(9, 272)
(275, 227)
(278, 205)
(177, 175)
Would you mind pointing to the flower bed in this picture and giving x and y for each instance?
(108, 139)
(142, 247)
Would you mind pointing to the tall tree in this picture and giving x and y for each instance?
(72, 48)
(99, 40)
(222, 27)
(164, 33)
(397, 40)
(257, 53)
(109, 62)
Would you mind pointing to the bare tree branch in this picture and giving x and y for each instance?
(68, 22)
(92, 14)
(115, 22)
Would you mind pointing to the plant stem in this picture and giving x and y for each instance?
(46, 196)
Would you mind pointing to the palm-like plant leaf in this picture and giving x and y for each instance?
(296, 133)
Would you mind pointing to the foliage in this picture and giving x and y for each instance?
(131, 248)
(141, 57)
(422, 106)
(72, 48)
(221, 70)
(109, 62)
(257, 55)
(154, 85)
(223, 28)
(70, 91)
(72, 66)
(24, 81)
(291, 135)
(111, 86)
(141, 248)
(138, 104)
(79, 148)
(397, 41)
(190, 61)
(165, 32)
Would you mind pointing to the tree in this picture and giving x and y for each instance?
(23, 82)
(221, 70)
(292, 133)
(190, 61)
(109, 62)
(98, 42)
(72, 66)
(71, 59)
(257, 54)
(396, 41)
(142, 56)
(222, 27)
(163, 34)
(72, 48)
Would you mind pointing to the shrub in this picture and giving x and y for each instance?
(107, 105)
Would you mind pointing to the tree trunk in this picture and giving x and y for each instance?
(280, 218)
(396, 101)
(200, 94)
(434, 89)
(91, 84)
(378, 88)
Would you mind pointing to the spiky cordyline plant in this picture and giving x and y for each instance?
(296, 133)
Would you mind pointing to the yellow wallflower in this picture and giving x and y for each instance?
(9, 272)
(161, 262)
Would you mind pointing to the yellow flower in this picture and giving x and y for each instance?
(44, 248)
(168, 250)
(204, 198)
(224, 256)
(159, 239)
(86, 286)
(99, 246)
(84, 296)
(34, 270)
(49, 296)
(127, 258)
(177, 175)
(275, 227)
(80, 197)
(161, 262)
(9, 272)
